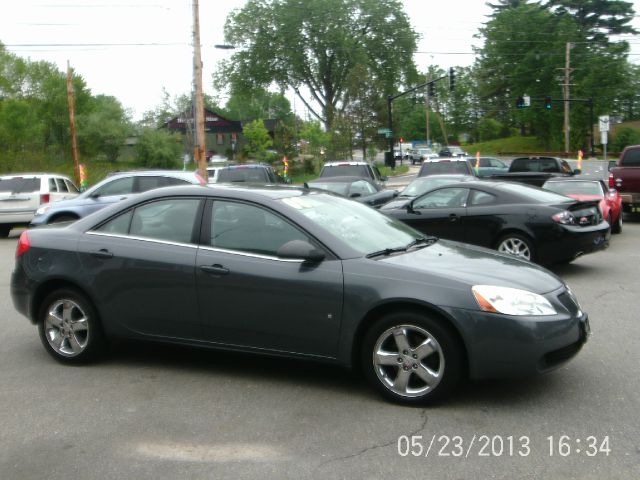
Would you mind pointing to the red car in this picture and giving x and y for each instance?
(591, 189)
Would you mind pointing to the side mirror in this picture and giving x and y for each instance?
(94, 195)
(410, 209)
(612, 163)
(300, 250)
(577, 171)
(395, 193)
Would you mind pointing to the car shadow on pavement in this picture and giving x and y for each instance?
(234, 365)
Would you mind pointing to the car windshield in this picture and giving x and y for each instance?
(19, 184)
(345, 171)
(335, 187)
(533, 194)
(575, 188)
(424, 184)
(361, 227)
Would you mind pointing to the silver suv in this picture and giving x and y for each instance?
(112, 189)
(21, 194)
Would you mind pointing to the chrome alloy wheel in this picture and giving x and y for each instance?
(66, 328)
(515, 246)
(408, 360)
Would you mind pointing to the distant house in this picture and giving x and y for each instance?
(223, 135)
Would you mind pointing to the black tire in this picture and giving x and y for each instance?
(517, 245)
(617, 227)
(4, 231)
(73, 334)
(443, 366)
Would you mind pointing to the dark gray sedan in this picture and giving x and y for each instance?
(295, 273)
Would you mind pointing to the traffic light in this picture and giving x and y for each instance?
(401, 140)
(520, 102)
(432, 89)
(547, 103)
(452, 78)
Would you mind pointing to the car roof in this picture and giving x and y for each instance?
(344, 162)
(142, 173)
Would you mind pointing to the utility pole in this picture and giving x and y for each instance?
(567, 97)
(427, 101)
(72, 124)
(200, 140)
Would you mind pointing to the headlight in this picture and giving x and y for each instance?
(42, 209)
(511, 301)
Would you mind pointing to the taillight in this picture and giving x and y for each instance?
(611, 183)
(23, 244)
(565, 218)
(44, 198)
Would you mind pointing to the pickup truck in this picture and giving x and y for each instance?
(624, 176)
(535, 170)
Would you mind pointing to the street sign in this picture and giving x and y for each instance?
(526, 99)
(383, 131)
(603, 137)
(603, 123)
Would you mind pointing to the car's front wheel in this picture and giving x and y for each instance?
(412, 358)
(617, 226)
(69, 327)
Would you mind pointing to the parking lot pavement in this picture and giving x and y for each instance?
(166, 412)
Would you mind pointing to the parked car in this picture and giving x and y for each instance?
(259, 173)
(421, 154)
(452, 151)
(587, 189)
(353, 169)
(536, 170)
(485, 166)
(624, 176)
(362, 190)
(116, 187)
(445, 165)
(421, 185)
(524, 221)
(294, 273)
(21, 194)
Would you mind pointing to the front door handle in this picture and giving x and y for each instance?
(453, 217)
(102, 253)
(215, 269)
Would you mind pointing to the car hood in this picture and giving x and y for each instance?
(473, 265)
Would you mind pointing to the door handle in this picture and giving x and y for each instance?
(453, 217)
(215, 269)
(102, 253)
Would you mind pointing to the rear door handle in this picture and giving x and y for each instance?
(102, 253)
(215, 269)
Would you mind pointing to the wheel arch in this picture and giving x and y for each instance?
(65, 213)
(49, 286)
(402, 305)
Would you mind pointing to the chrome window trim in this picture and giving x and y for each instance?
(252, 255)
(143, 239)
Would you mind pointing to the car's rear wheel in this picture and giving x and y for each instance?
(69, 327)
(4, 231)
(516, 245)
(617, 226)
(412, 358)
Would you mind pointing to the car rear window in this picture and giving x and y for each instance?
(345, 171)
(20, 184)
(631, 158)
(533, 194)
(241, 174)
(434, 168)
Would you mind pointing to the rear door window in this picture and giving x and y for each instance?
(62, 187)
(52, 185)
(71, 187)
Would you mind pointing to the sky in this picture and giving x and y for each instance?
(135, 49)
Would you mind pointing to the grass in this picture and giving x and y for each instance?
(510, 144)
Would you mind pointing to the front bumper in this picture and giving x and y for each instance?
(500, 346)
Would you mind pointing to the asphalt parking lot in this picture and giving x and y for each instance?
(150, 411)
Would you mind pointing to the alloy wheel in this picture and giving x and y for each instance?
(66, 328)
(515, 246)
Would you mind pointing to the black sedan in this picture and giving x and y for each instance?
(360, 189)
(295, 273)
(520, 220)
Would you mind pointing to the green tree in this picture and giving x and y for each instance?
(258, 139)
(624, 137)
(158, 149)
(104, 128)
(313, 45)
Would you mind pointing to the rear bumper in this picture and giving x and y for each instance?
(569, 242)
